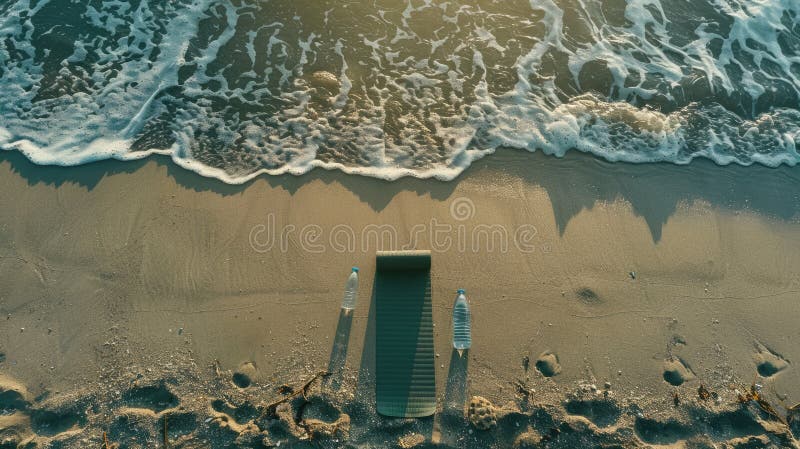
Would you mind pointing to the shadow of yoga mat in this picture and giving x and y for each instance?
(405, 384)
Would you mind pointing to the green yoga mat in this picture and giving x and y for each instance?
(404, 383)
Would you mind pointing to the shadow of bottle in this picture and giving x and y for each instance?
(455, 393)
(341, 341)
(452, 418)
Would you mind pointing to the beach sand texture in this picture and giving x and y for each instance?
(150, 304)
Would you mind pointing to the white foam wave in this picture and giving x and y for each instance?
(421, 90)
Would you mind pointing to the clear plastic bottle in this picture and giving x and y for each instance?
(462, 336)
(351, 291)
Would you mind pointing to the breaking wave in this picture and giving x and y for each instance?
(389, 88)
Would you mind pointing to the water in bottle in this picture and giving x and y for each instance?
(462, 336)
(351, 291)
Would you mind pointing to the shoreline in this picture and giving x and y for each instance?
(114, 268)
(597, 176)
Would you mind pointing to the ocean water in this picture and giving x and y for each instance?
(391, 88)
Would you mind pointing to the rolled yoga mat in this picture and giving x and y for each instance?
(404, 383)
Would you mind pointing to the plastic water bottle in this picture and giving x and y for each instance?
(351, 291)
(462, 336)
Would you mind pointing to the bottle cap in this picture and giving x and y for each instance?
(461, 291)
(355, 269)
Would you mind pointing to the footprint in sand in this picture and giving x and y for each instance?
(768, 363)
(134, 426)
(53, 422)
(662, 433)
(602, 412)
(244, 375)
(14, 421)
(49, 418)
(588, 296)
(60, 414)
(13, 397)
(547, 364)
(240, 414)
(179, 423)
(154, 397)
(676, 371)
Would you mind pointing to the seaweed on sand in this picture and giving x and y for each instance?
(753, 395)
(269, 409)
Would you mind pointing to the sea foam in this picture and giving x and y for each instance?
(235, 89)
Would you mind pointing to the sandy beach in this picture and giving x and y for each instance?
(613, 305)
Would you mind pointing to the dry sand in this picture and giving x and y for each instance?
(134, 293)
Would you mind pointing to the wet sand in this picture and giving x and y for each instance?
(603, 297)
